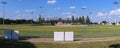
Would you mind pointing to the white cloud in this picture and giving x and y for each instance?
(72, 7)
(114, 12)
(51, 1)
(102, 14)
(111, 13)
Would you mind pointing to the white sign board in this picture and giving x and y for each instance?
(69, 36)
(7, 34)
(63, 36)
(58, 36)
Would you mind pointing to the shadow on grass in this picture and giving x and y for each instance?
(114, 46)
(27, 37)
(15, 44)
(77, 39)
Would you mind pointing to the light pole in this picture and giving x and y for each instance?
(4, 3)
(83, 30)
(115, 3)
(40, 14)
(83, 8)
(73, 17)
(31, 17)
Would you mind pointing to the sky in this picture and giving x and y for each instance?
(97, 10)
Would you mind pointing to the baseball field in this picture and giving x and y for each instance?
(80, 31)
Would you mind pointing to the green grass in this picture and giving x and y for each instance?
(28, 28)
(105, 44)
(92, 31)
(23, 44)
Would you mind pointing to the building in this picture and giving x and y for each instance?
(60, 21)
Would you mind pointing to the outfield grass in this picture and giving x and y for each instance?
(91, 28)
(23, 44)
(91, 31)
(106, 44)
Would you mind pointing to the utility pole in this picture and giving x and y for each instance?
(40, 15)
(115, 3)
(4, 3)
(83, 8)
(31, 17)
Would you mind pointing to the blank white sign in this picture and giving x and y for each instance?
(15, 35)
(58, 36)
(69, 36)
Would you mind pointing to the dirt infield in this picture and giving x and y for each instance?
(75, 40)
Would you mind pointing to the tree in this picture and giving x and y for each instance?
(30, 21)
(73, 19)
(13, 21)
(7, 21)
(1, 20)
(48, 20)
(80, 19)
(52, 22)
(43, 20)
(83, 20)
(77, 20)
(104, 22)
(20, 21)
(68, 20)
(87, 20)
(40, 19)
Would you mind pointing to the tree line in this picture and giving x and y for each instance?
(42, 20)
(17, 21)
(73, 20)
(81, 20)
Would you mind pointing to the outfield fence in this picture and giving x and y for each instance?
(82, 34)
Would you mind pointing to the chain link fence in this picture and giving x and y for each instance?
(46, 36)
